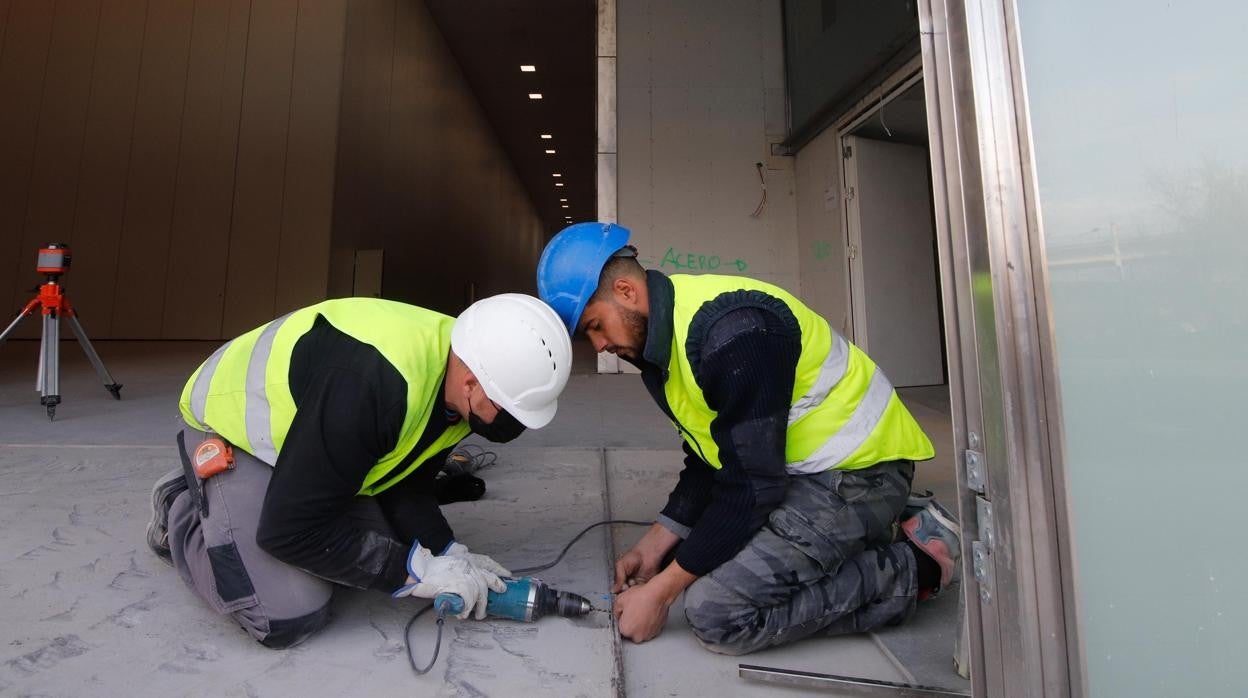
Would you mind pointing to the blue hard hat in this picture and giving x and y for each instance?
(567, 273)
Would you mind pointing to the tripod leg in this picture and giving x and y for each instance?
(13, 325)
(113, 386)
(43, 356)
(27, 310)
(51, 387)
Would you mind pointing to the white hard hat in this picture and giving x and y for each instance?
(519, 350)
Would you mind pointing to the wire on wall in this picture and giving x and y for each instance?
(762, 180)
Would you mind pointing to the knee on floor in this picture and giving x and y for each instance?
(283, 634)
(723, 622)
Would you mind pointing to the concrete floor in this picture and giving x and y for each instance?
(88, 610)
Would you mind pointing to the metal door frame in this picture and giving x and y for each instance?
(1018, 566)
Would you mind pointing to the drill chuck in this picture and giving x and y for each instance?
(550, 601)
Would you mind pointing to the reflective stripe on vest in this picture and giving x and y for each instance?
(844, 412)
(199, 386)
(854, 433)
(831, 371)
(242, 391)
(256, 413)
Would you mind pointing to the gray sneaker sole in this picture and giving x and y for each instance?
(165, 490)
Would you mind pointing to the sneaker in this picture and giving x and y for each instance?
(915, 503)
(166, 489)
(934, 531)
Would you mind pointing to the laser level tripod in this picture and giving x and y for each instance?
(53, 262)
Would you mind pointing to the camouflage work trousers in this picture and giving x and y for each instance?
(823, 562)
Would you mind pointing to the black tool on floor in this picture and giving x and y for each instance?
(458, 488)
(54, 262)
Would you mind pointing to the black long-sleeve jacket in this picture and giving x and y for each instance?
(350, 405)
(743, 348)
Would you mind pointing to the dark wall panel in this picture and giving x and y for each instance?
(256, 231)
(203, 202)
(363, 128)
(834, 47)
(105, 164)
(23, 63)
(5, 6)
(421, 173)
(62, 119)
(308, 200)
(184, 147)
(142, 266)
(218, 162)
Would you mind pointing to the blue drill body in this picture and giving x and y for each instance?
(525, 599)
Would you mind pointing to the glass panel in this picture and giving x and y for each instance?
(1139, 113)
(832, 46)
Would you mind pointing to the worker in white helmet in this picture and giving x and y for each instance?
(311, 443)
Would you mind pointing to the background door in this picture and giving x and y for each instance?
(892, 259)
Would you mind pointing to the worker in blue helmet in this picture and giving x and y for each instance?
(793, 513)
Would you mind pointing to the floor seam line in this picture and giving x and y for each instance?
(617, 649)
(893, 659)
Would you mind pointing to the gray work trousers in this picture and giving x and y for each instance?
(217, 556)
(824, 561)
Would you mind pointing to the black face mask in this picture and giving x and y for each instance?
(504, 428)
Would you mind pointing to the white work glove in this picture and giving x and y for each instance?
(429, 576)
(482, 562)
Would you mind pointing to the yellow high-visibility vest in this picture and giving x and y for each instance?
(844, 413)
(242, 391)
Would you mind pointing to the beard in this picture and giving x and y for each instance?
(635, 323)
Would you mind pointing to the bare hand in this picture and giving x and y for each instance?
(632, 569)
(641, 612)
(642, 561)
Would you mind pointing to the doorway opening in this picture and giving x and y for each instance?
(891, 234)
(896, 313)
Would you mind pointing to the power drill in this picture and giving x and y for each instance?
(526, 599)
